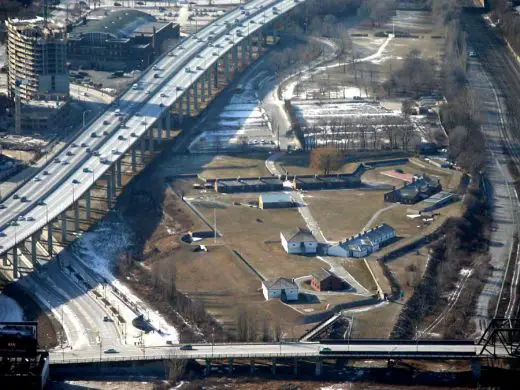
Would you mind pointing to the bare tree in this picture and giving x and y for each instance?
(326, 159)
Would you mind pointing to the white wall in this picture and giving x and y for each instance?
(284, 243)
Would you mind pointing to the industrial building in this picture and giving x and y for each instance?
(300, 241)
(283, 288)
(275, 201)
(322, 182)
(37, 75)
(122, 40)
(247, 184)
(324, 280)
(415, 191)
(364, 243)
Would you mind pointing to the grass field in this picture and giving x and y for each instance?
(342, 213)
(255, 234)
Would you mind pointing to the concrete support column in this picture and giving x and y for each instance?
(150, 139)
(234, 57)
(119, 173)
(34, 240)
(230, 364)
(273, 366)
(250, 48)
(143, 147)
(209, 82)
(319, 368)
(196, 97)
(113, 180)
(215, 75)
(476, 369)
(180, 112)
(168, 124)
(64, 227)
(203, 88)
(110, 178)
(188, 103)
(15, 262)
(243, 58)
(76, 216)
(5, 261)
(207, 369)
(50, 229)
(134, 159)
(259, 42)
(252, 367)
(226, 67)
(295, 367)
(88, 209)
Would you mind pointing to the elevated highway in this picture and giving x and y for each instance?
(180, 80)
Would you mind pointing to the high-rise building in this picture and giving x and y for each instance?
(36, 58)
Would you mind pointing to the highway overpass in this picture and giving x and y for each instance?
(178, 82)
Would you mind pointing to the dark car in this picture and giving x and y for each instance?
(186, 347)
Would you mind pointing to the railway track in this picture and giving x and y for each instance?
(497, 61)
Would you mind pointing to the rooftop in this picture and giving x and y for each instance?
(147, 29)
(321, 275)
(119, 24)
(281, 283)
(440, 196)
(300, 235)
(276, 198)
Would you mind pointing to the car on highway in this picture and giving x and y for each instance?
(3, 206)
(46, 173)
(30, 219)
(21, 218)
(24, 199)
(37, 179)
(83, 145)
(325, 350)
(133, 135)
(74, 145)
(57, 160)
(41, 202)
(110, 350)
(2, 234)
(163, 95)
(156, 75)
(16, 196)
(69, 153)
(65, 162)
(121, 138)
(96, 153)
(186, 347)
(93, 134)
(105, 122)
(105, 161)
(115, 151)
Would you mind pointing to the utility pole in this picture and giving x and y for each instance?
(215, 228)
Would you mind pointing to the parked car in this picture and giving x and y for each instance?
(110, 350)
(186, 347)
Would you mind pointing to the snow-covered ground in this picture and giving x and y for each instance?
(99, 251)
(10, 311)
(242, 123)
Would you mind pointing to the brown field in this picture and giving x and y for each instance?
(342, 213)
(247, 229)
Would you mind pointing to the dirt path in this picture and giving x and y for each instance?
(377, 214)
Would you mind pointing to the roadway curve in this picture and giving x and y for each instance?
(59, 184)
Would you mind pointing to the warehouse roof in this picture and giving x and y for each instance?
(276, 198)
(120, 24)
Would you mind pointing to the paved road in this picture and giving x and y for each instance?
(298, 349)
(75, 169)
(92, 104)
